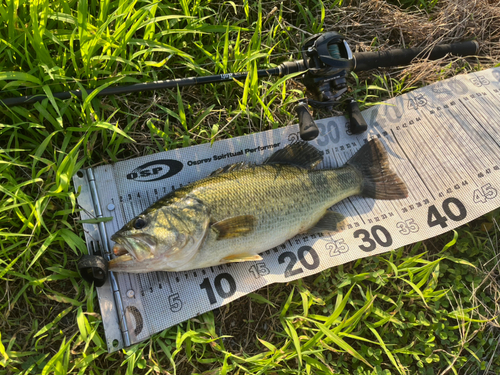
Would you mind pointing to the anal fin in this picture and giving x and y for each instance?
(329, 222)
(244, 257)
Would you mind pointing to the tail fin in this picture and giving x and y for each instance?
(379, 180)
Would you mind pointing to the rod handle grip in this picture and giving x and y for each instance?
(397, 57)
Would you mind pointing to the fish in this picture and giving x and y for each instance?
(243, 209)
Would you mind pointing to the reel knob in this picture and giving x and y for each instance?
(308, 129)
(93, 269)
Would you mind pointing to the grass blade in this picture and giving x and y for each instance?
(342, 344)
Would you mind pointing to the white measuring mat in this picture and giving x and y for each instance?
(443, 140)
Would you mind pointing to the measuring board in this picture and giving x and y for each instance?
(443, 140)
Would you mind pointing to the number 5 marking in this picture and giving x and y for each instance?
(175, 302)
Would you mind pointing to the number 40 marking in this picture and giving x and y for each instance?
(434, 217)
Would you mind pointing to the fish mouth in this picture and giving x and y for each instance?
(131, 249)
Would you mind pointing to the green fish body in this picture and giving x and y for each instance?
(242, 210)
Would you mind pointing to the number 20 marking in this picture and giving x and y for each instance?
(289, 271)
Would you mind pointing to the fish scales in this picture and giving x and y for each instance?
(285, 200)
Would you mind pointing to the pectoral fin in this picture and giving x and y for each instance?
(235, 226)
(329, 222)
(245, 257)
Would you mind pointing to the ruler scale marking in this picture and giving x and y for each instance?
(484, 130)
(407, 176)
(413, 166)
(430, 163)
(479, 116)
(438, 162)
(421, 162)
(410, 151)
(442, 145)
(465, 143)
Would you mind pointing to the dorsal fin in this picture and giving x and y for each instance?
(231, 167)
(300, 154)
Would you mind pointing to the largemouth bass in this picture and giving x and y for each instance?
(242, 210)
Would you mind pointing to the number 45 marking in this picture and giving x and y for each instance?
(419, 101)
(487, 192)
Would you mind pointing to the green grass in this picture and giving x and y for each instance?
(428, 308)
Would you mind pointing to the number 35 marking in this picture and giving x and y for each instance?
(408, 226)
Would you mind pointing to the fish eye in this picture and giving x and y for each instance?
(139, 223)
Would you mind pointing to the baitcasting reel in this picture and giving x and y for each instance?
(327, 59)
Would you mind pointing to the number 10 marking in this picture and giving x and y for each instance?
(218, 287)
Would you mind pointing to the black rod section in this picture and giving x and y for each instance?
(397, 57)
(283, 69)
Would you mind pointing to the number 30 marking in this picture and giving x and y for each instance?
(372, 244)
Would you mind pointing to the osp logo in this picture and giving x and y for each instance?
(156, 170)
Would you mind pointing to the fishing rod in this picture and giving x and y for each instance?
(326, 62)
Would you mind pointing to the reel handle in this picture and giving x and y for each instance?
(308, 129)
(357, 123)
